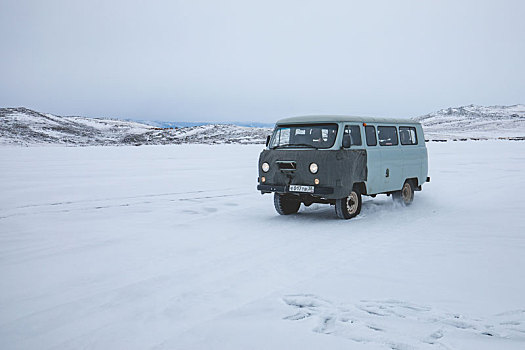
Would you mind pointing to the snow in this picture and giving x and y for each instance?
(171, 247)
(475, 122)
(22, 126)
(109, 124)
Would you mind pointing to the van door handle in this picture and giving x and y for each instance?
(387, 172)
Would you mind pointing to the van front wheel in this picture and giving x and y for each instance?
(349, 207)
(406, 195)
(286, 204)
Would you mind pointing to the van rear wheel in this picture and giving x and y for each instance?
(406, 195)
(349, 207)
(286, 204)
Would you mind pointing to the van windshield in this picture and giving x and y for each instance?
(310, 136)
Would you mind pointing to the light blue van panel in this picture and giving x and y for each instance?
(412, 157)
(424, 155)
(389, 166)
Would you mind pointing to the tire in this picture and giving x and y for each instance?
(286, 204)
(349, 207)
(406, 195)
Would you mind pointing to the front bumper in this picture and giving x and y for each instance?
(318, 190)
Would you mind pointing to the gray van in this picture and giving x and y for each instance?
(337, 159)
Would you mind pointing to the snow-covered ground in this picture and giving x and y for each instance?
(171, 247)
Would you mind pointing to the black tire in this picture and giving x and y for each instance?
(349, 207)
(286, 204)
(406, 195)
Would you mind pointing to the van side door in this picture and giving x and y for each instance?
(391, 157)
(374, 183)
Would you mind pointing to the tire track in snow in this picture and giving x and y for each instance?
(28, 210)
(234, 277)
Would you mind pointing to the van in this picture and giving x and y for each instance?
(337, 159)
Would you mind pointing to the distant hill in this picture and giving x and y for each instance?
(475, 122)
(23, 126)
(168, 124)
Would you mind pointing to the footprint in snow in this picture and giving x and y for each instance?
(398, 324)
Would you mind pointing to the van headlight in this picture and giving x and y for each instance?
(314, 168)
(265, 167)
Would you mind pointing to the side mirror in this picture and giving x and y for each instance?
(267, 140)
(347, 141)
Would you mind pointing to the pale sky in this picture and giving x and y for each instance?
(238, 60)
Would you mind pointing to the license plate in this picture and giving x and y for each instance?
(300, 188)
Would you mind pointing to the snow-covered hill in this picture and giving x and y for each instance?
(26, 127)
(475, 122)
(203, 134)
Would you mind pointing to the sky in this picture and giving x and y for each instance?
(236, 60)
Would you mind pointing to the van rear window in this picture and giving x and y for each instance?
(407, 135)
(387, 135)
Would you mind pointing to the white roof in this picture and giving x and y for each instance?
(343, 118)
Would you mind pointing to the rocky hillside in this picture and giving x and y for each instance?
(23, 126)
(475, 122)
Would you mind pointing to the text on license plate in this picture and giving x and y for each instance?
(300, 188)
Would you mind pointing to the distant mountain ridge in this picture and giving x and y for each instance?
(168, 124)
(475, 122)
(22, 126)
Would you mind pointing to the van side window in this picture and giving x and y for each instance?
(354, 133)
(387, 135)
(407, 135)
(371, 139)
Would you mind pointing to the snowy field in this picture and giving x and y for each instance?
(172, 247)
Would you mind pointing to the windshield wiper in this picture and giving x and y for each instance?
(296, 145)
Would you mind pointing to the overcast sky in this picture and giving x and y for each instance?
(242, 60)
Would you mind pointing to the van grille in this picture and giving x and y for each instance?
(286, 165)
